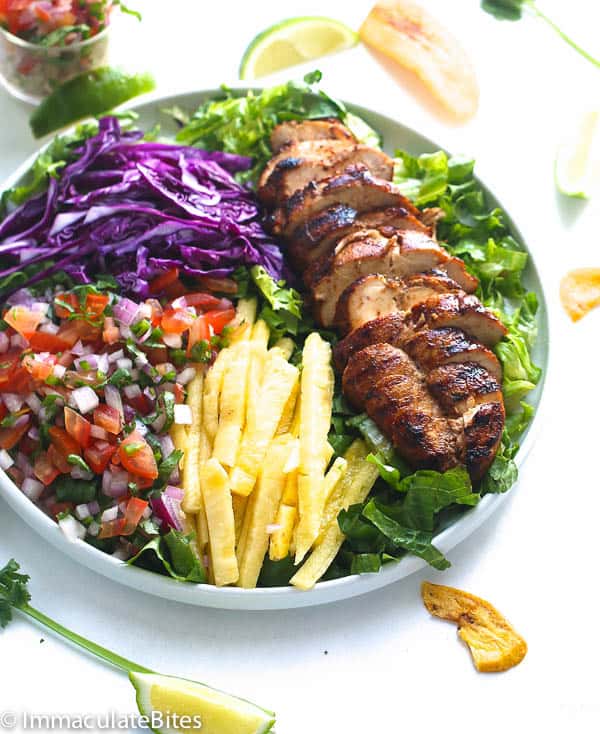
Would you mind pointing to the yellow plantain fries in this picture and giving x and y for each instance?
(352, 488)
(221, 523)
(316, 396)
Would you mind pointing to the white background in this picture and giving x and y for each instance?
(389, 667)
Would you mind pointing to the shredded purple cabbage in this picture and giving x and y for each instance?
(134, 209)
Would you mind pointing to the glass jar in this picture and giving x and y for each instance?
(30, 71)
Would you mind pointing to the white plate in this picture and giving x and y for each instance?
(395, 136)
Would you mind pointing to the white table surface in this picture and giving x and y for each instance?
(389, 666)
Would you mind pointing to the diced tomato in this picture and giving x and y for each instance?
(3, 411)
(28, 446)
(179, 393)
(44, 469)
(9, 363)
(78, 329)
(56, 508)
(63, 442)
(141, 404)
(133, 514)
(10, 437)
(164, 280)
(41, 341)
(108, 418)
(95, 303)
(156, 355)
(175, 290)
(59, 460)
(16, 474)
(218, 320)
(110, 332)
(72, 305)
(112, 528)
(77, 427)
(40, 368)
(42, 14)
(198, 332)
(137, 456)
(176, 321)
(22, 320)
(98, 456)
(157, 311)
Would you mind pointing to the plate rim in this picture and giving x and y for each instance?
(281, 597)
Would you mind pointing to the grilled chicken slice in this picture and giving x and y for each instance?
(385, 382)
(376, 295)
(460, 387)
(313, 160)
(468, 390)
(319, 235)
(391, 329)
(355, 187)
(431, 348)
(482, 435)
(364, 252)
(295, 131)
(460, 311)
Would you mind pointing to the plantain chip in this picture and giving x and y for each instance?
(495, 646)
(580, 292)
(407, 34)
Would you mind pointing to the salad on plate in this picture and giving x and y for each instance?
(168, 387)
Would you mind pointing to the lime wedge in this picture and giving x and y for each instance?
(165, 700)
(87, 95)
(294, 41)
(577, 168)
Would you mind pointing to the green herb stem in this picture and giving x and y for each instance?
(542, 16)
(101, 652)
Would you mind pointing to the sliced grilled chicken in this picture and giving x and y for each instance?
(483, 433)
(297, 165)
(319, 235)
(460, 311)
(385, 382)
(460, 387)
(364, 252)
(431, 348)
(376, 295)
(391, 329)
(355, 187)
(298, 131)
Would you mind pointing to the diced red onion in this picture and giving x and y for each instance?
(86, 363)
(49, 328)
(135, 374)
(186, 375)
(168, 510)
(182, 414)
(129, 413)
(79, 350)
(103, 363)
(122, 507)
(117, 486)
(72, 528)
(93, 507)
(40, 307)
(78, 473)
(113, 399)
(141, 360)
(132, 391)
(32, 488)
(125, 332)
(85, 399)
(110, 514)
(6, 460)
(141, 427)
(93, 529)
(158, 423)
(34, 402)
(115, 356)
(24, 465)
(125, 311)
(147, 512)
(124, 363)
(13, 402)
(174, 341)
(144, 311)
(175, 492)
(121, 554)
(59, 371)
(17, 340)
(97, 432)
(166, 445)
(82, 511)
(4, 342)
(145, 336)
(34, 433)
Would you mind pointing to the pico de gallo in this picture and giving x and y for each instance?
(91, 383)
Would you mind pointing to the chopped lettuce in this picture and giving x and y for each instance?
(173, 555)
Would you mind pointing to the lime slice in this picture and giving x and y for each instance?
(292, 42)
(165, 700)
(87, 95)
(577, 169)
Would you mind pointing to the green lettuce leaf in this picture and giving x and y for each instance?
(171, 554)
